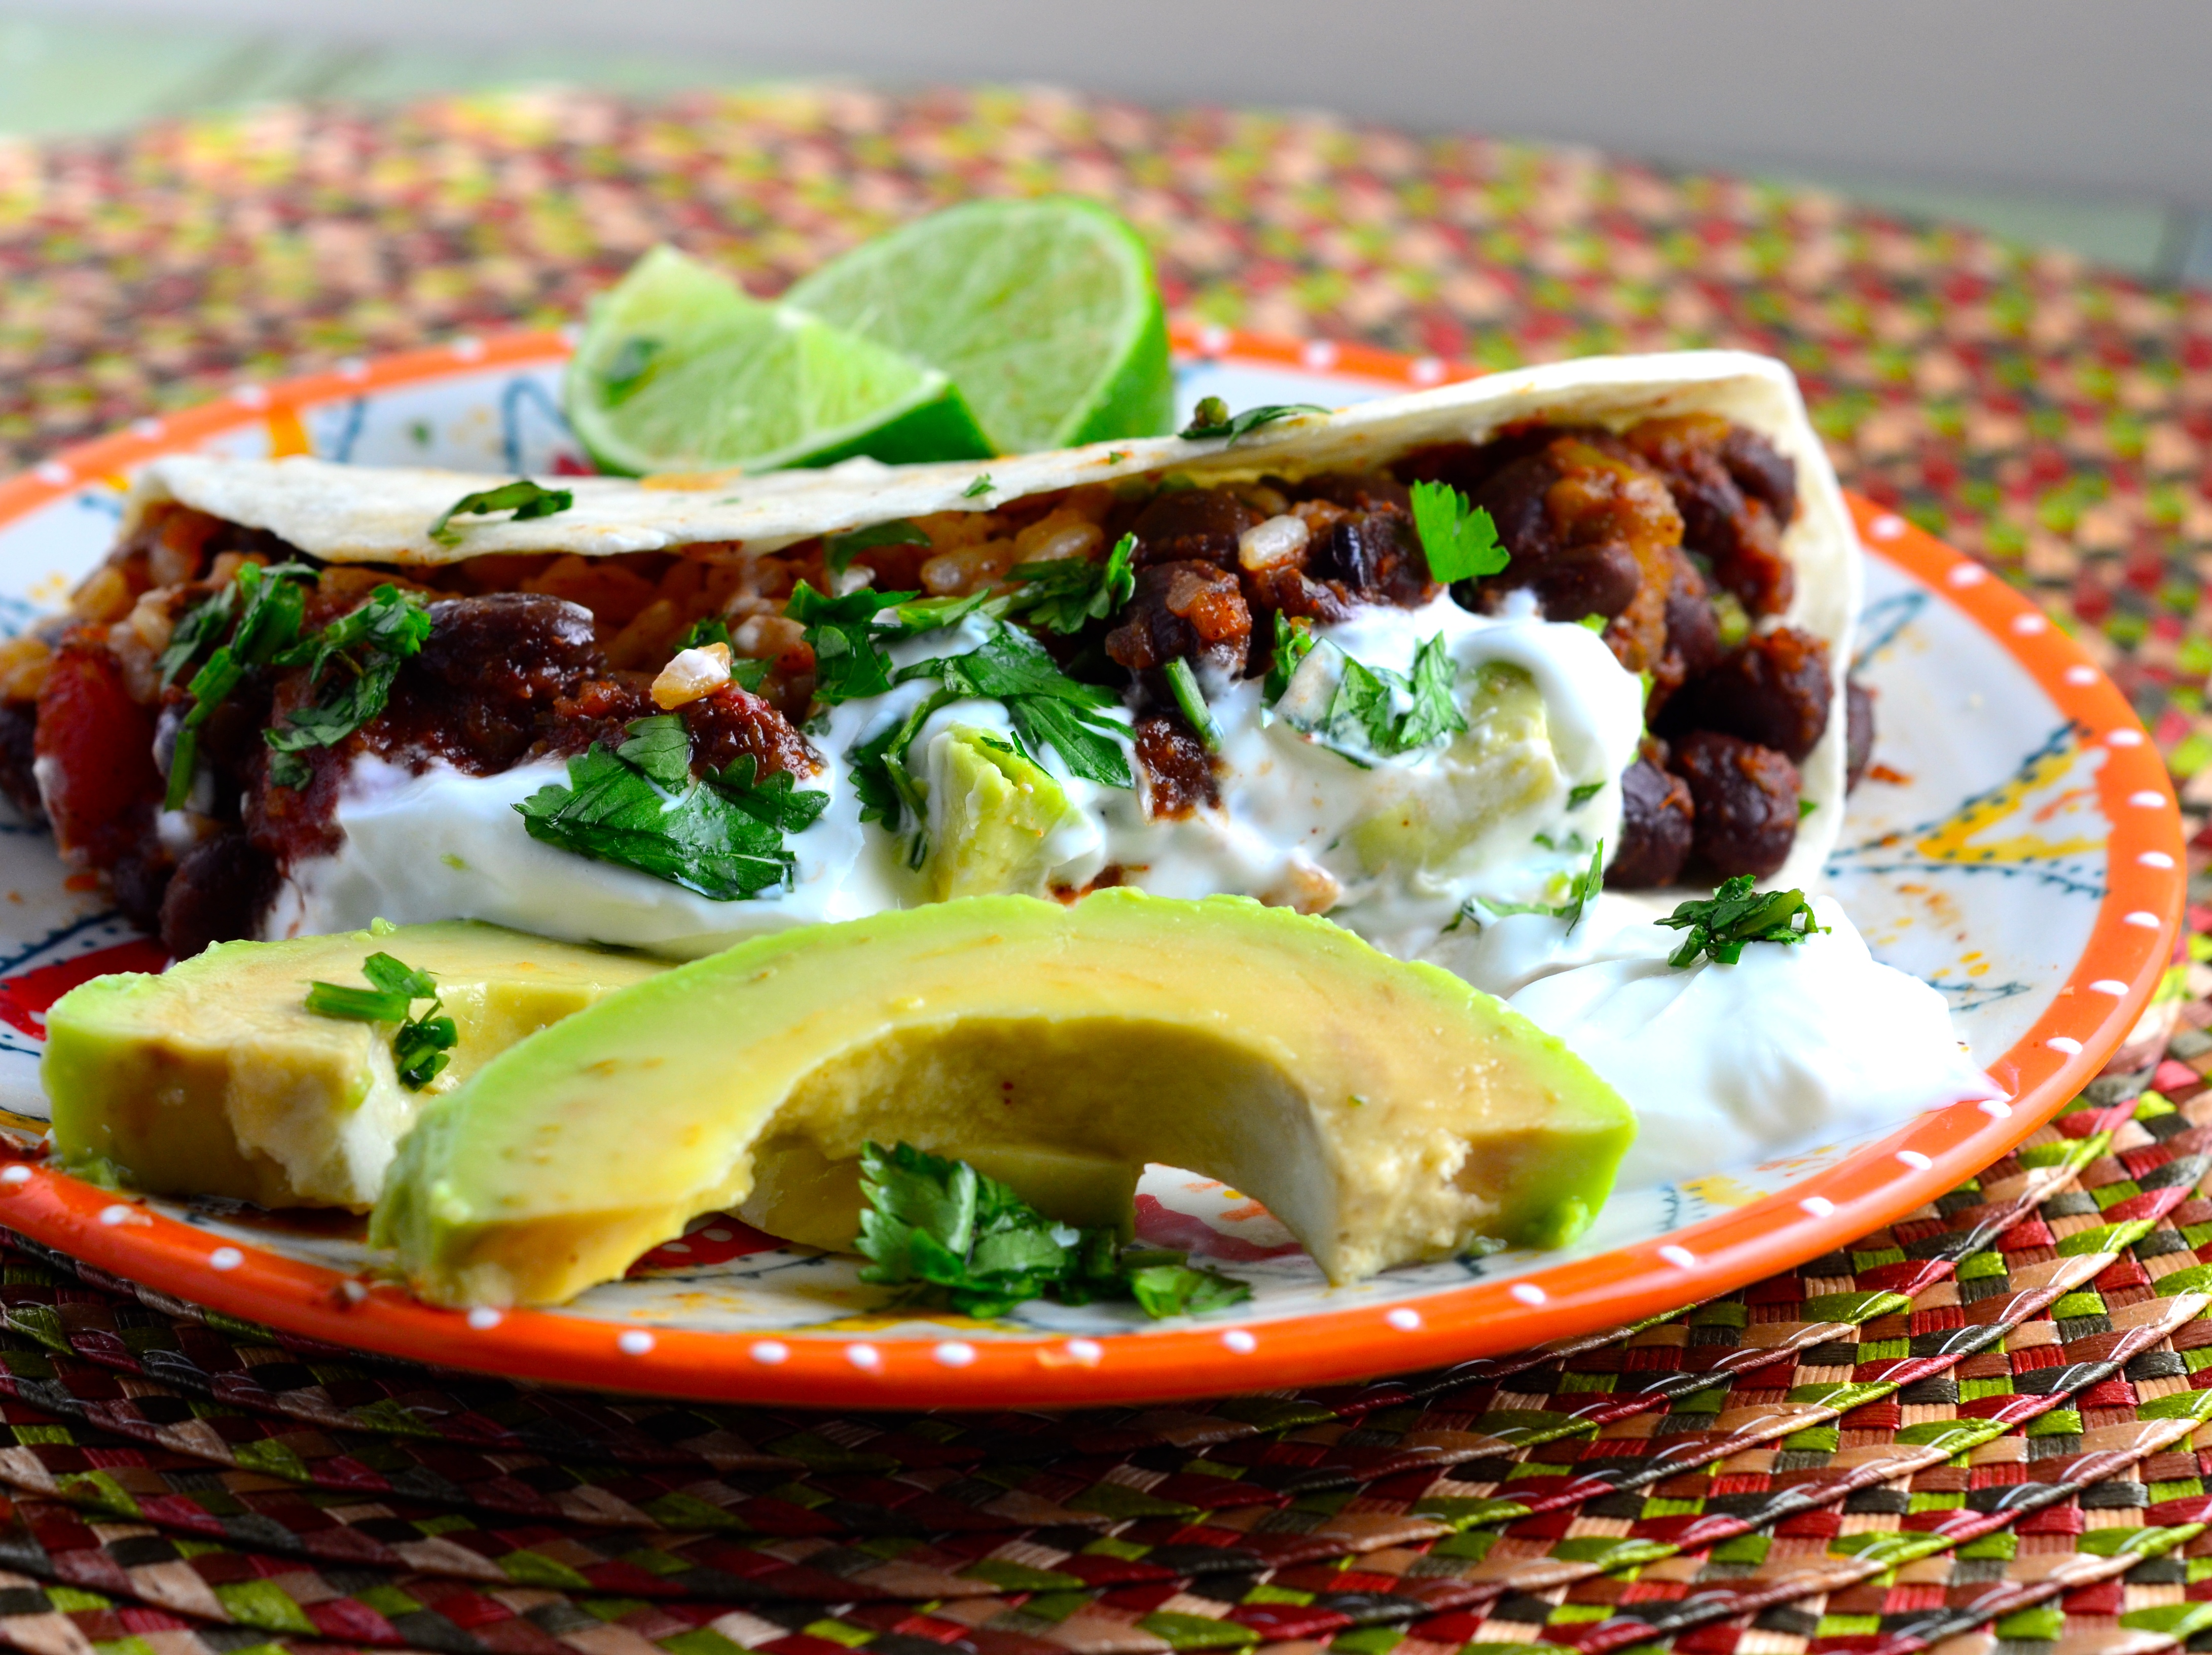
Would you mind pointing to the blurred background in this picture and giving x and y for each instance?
(2048, 121)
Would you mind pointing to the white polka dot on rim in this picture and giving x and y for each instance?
(225, 1258)
(1817, 1205)
(2142, 919)
(675, 1247)
(2108, 985)
(1967, 574)
(1405, 1318)
(2155, 859)
(2124, 738)
(1680, 1257)
(1427, 370)
(1243, 1344)
(718, 1233)
(148, 428)
(116, 1214)
(1997, 1109)
(2148, 799)
(53, 472)
(1088, 1352)
(483, 1319)
(634, 1341)
(1888, 527)
(18, 1173)
(1915, 1160)
(352, 367)
(1213, 341)
(1528, 1293)
(2029, 625)
(1320, 355)
(955, 1353)
(2065, 1043)
(468, 350)
(2081, 675)
(249, 395)
(770, 1353)
(866, 1358)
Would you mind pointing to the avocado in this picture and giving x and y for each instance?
(214, 1079)
(993, 813)
(1385, 1111)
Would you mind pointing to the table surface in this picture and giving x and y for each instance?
(1980, 1425)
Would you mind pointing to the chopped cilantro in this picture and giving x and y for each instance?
(839, 550)
(419, 1045)
(1805, 808)
(955, 1239)
(523, 497)
(1115, 456)
(1294, 642)
(849, 665)
(1066, 594)
(1049, 708)
(982, 486)
(1580, 795)
(1585, 884)
(639, 806)
(270, 606)
(711, 630)
(1720, 925)
(1460, 541)
(1191, 699)
(1363, 716)
(203, 623)
(1212, 418)
(369, 644)
(1596, 623)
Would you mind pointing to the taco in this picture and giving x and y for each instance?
(297, 696)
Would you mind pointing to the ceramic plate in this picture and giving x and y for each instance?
(2018, 847)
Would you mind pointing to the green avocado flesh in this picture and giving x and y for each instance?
(214, 1079)
(1385, 1112)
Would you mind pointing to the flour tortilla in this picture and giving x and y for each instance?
(348, 514)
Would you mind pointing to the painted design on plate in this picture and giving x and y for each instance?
(2004, 785)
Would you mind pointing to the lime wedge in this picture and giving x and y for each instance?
(680, 369)
(1044, 313)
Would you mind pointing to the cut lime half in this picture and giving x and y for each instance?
(1044, 313)
(680, 370)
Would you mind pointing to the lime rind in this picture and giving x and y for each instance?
(680, 369)
(1044, 312)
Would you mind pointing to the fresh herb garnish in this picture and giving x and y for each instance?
(1294, 642)
(849, 665)
(982, 486)
(839, 550)
(1585, 884)
(1363, 716)
(639, 806)
(1183, 683)
(744, 671)
(1212, 418)
(523, 497)
(203, 623)
(420, 1044)
(1721, 924)
(1064, 595)
(1460, 541)
(1581, 795)
(269, 606)
(370, 643)
(957, 1240)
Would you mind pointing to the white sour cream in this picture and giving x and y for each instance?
(1790, 1046)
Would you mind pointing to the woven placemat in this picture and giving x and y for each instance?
(1981, 1428)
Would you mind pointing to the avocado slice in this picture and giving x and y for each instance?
(993, 815)
(214, 1079)
(1385, 1111)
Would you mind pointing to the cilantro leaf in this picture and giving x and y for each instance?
(1048, 708)
(1182, 682)
(203, 623)
(371, 643)
(1212, 418)
(711, 628)
(420, 1044)
(269, 606)
(982, 486)
(1460, 541)
(1722, 924)
(638, 807)
(838, 550)
(1294, 641)
(523, 497)
(1363, 717)
(1584, 885)
(1062, 596)
(957, 1240)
